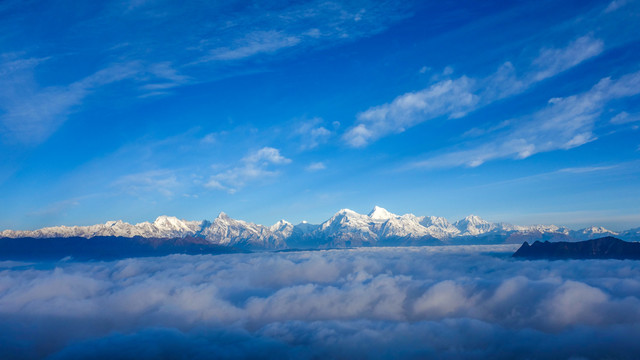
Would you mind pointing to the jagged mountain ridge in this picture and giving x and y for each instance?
(345, 228)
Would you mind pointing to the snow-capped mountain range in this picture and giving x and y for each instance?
(345, 228)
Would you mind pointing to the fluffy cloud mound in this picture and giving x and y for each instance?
(445, 302)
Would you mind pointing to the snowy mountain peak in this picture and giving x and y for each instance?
(434, 220)
(379, 213)
(172, 225)
(345, 215)
(281, 225)
(475, 220)
(223, 216)
(164, 220)
(346, 212)
(597, 230)
(474, 225)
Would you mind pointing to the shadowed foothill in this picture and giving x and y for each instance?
(602, 248)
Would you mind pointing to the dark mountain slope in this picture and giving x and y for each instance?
(602, 248)
(104, 247)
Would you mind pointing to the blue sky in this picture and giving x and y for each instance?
(524, 112)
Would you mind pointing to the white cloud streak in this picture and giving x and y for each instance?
(444, 302)
(312, 133)
(564, 124)
(266, 30)
(164, 182)
(267, 155)
(449, 97)
(553, 61)
(32, 113)
(316, 166)
(255, 166)
(615, 5)
(454, 98)
(254, 43)
(161, 77)
(624, 118)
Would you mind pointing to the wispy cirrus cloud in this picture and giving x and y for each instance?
(265, 30)
(587, 169)
(254, 43)
(265, 156)
(32, 113)
(615, 5)
(299, 25)
(448, 97)
(255, 166)
(624, 118)
(156, 57)
(164, 182)
(313, 132)
(563, 124)
(160, 78)
(554, 61)
(454, 98)
(316, 166)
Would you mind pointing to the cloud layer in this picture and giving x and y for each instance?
(445, 302)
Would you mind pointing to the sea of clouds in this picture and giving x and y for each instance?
(440, 302)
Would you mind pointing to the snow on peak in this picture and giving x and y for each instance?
(438, 227)
(346, 212)
(174, 226)
(379, 213)
(166, 220)
(346, 215)
(597, 230)
(346, 221)
(223, 216)
(281, 225)
(474, 225)
(475, 220)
